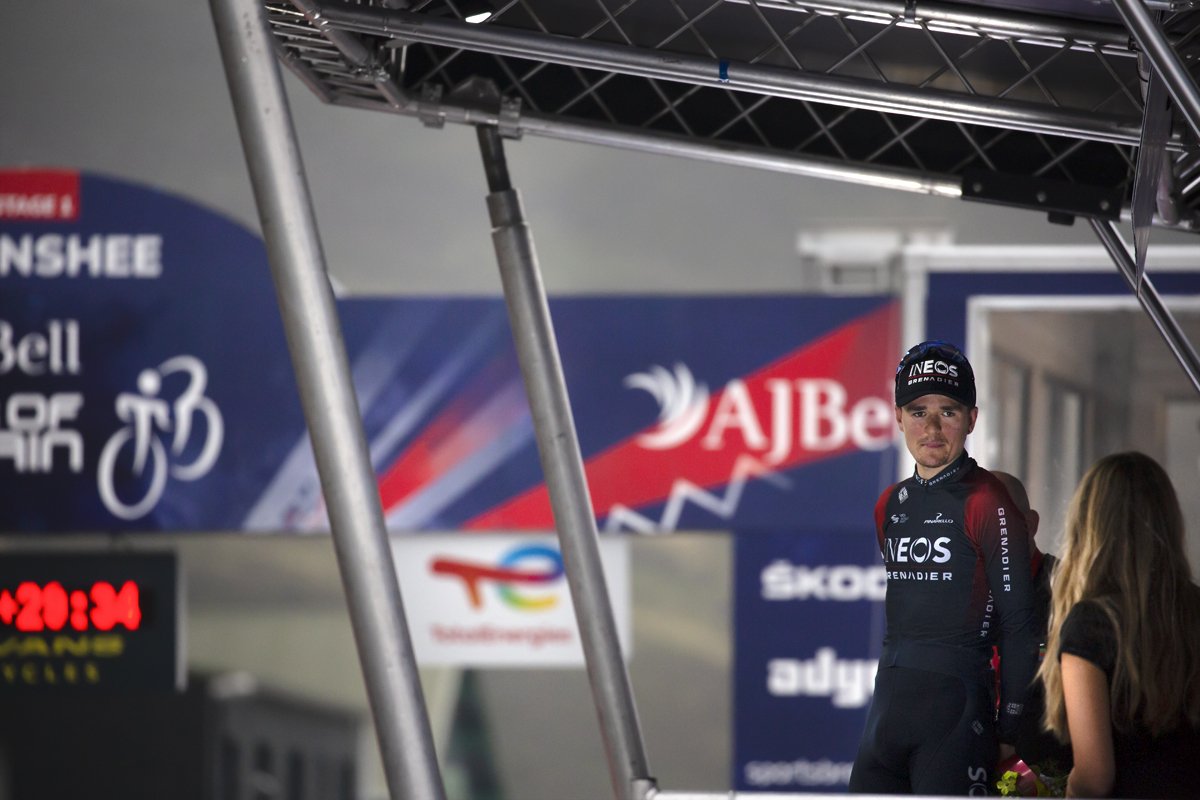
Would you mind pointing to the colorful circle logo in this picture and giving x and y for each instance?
(515, 567)
(552, 572)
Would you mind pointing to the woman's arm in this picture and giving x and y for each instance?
(1085, 691)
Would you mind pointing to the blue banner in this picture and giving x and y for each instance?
(808, 631)
(145, 384)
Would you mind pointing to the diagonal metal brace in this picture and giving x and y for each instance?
(1162, 318)
(331, 411)
(562, 464)
(1148, 175)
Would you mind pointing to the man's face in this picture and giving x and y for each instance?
(935, 431)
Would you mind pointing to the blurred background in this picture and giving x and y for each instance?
(134, 89)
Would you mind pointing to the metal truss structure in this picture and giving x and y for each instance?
(907, 95)
(1069, 115)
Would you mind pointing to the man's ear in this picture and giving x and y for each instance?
(900, 417)
(1032, 518)
(974, 416)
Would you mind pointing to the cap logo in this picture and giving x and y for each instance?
(933, 366)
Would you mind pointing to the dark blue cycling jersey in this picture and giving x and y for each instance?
(956, 550)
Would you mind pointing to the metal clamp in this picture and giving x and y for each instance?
(429, 107)
(510, 118)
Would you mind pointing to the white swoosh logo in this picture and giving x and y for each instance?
(682, 405)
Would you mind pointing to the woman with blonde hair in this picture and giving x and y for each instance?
(1124, 688)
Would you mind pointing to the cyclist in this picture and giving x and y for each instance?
(956, 552)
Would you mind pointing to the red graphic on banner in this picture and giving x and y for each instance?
(827, 398)
(39, 195)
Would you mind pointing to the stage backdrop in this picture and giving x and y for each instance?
(145, 385)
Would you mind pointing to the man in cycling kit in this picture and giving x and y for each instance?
(956, 553)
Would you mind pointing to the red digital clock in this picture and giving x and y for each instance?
(50, 607)
(90, 622)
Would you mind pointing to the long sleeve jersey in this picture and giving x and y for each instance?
(957, 556)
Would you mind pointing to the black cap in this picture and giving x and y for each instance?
(935, 367)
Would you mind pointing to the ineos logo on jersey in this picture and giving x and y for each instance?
(933, 367)
(905, 550)
(939, 521)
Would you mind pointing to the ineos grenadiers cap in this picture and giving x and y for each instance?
(935, 367)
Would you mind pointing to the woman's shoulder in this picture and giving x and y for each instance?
(1093, 608)
(1088, 632)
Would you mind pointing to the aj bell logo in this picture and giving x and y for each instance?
(810, 412)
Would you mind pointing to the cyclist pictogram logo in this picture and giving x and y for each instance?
(146, 415)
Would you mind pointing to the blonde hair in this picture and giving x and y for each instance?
(1124, 549)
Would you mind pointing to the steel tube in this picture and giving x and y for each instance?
(743, 155)
(1159, 314)
(562, 464)
(954, 18)
(1166, 61)
(330, 407)
(756, 79)
(715, 152)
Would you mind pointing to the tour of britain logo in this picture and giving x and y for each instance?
(532, 565)
(147, 416)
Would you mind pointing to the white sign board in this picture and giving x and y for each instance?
(491, 600)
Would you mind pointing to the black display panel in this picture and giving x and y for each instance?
(90, 623)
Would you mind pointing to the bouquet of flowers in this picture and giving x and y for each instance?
(1018, 779)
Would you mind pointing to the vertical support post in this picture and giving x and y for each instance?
(1163, 58)
(327, 394)
(562, 464)
(1159, 314)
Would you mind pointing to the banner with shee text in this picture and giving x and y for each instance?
(145, 384)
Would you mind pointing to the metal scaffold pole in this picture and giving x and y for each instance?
(562, 463)
(327, 394)
(1159, 314)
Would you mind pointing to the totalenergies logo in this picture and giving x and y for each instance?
(526, 564)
